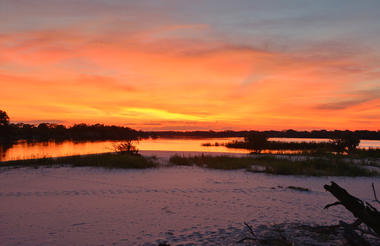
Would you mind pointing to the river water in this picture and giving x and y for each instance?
(25, 150)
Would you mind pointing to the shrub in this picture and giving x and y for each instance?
(126, 147)
(256, 141)
(345, 143)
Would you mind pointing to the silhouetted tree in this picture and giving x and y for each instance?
(4, 119)
(256, 141)
(126, 147)
(5, 129)
(346, 143)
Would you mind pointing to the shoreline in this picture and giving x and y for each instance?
(267, 163)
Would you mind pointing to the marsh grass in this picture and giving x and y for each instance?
(107, 160)
(366, 153)
(273, 165)
(278, 145)
(316, 166)
(307, 148)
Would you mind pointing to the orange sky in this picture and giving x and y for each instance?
(151, 67)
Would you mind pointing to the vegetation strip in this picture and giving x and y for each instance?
(345, 144)
(273, 165)
(107, 160)
(266, 164)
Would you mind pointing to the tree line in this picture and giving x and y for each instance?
(49, 131)
(361, 134)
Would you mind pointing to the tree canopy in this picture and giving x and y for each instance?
(4, 118)
(345, 143)
(256, 141)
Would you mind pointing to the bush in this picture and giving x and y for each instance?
(126, 148)
(345, 143)
(256, 141)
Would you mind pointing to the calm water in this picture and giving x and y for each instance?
(24, 150)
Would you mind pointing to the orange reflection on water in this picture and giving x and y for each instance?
(168, 144)
(25, 150)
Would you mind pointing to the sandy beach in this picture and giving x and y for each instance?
(177, 205)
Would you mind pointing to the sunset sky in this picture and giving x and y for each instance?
(192, 64)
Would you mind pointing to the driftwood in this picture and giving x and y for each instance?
(374, 194)
(352, 236)
(279, 240)
(363, 211)
(252, 237)
(367, 222)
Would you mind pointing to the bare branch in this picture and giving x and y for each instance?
(332, 204)
(253, 238)
(356, 223)
(351, 236)
(250, 229)
(369, 231)
(245, 239)
(361, 210)
(374, 193)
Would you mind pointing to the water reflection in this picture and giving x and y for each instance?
(28, 150)
(4, 147)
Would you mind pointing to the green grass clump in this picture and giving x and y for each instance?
(107, 160)
(273, 165)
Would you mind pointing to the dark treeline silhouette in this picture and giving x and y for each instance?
(47, 131)
(78, 132)
(82, 132)
(361, 134)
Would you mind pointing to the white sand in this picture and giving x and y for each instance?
(180, 205)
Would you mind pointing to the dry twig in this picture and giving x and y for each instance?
(374, 193)
(253, 238)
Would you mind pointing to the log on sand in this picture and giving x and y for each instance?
(363, 211)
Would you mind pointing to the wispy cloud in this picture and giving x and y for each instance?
(353, 99)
